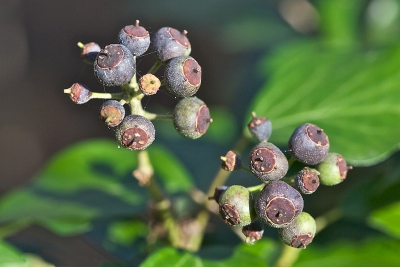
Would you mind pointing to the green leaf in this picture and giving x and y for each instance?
(243, 255)
(383, 252)
(8, 254)
(93, 164)
(353, 95)
(61, 216)
(387, 219)
(126, 232)
(168, 168)
(223, 128)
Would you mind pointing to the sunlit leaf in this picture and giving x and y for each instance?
(387, 219)
(352, 94)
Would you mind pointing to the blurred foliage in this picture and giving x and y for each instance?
(342, 76)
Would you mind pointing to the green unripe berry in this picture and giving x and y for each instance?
(191, 117)
(236, 206)
(333, 169)
(300, 232)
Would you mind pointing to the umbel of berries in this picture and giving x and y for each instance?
(169, 43)
(267, 162)
(300, 232)
(135, 38)
(260, 127)
(333, 169)
(135, 132)
(112, 113)
(191, 117)
(236, 206)
(114, 65)
(278, 204)
(182, 76)
(309, 144)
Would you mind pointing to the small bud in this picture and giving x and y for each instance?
(112, 112)
(253, 232)
(231, 161)
(307, 180)
(218, 192)
(149, 84)
(260, 128)
(300, 232)
(89, 52)
(79, 93)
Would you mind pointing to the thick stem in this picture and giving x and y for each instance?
(155, 67)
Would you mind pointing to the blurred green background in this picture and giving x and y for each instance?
(243, 47)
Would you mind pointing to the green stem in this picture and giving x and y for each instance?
(155, 67)
(203, 216)
(117, 96)
(256, 188)
(153, 116)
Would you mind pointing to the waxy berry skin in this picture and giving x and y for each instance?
(114, 65)
(112, 113)
(278, 204)
(300, 232)
(191, 117)
(236, 206)
(169, 43)
(307, 180)
(182, 76)
(309, 144)
(79, 93)
(260, 128)
(135, 132)
(136, 38)
(267, 162)
(89, 52)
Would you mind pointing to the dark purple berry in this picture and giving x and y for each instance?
(182, 76)
(135, 38)
(135, 132)
(236, 206)
(267, 162)
(309, 144)
(260, 128)
(191, 117)
(278, 204)
(169, 43)
(89, 52)
(79, 93)
(333, 169)
(253, 232)
(112, 112)
(149, 84)
(114, 65)
(300, 232)
(231, 161)
(307, 180)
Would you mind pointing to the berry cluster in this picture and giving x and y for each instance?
(115, 65)
(278, 201)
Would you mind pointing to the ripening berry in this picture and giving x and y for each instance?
(309, 144)
(307, 180)
(89, 52)
(278, 204)
(79, 93)
(333, 169)
(300, 232)
(182, 76)
(135, 38)
(253, 232)
(236, 206)
(191, 117)
(114, 65)
(260, 128)
(135, 132)
(112, 112)
(169, 43)
(267, 162)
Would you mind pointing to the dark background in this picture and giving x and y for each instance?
(40, 58)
